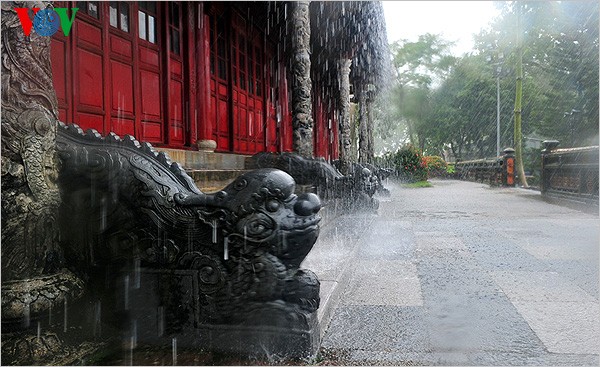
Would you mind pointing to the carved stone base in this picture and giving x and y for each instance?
(47, 349)
(207, 145)
(25, 298)
(166, 310)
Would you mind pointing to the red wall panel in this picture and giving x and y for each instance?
(150, 94)
(122, 87)
(58, 55)
(89, 78)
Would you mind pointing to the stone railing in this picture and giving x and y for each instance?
(570, 173)
(495, 171)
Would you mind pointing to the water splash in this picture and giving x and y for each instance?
(214, 230)
(39, 330)
(136, 273)
(226, 248)
(97, 318)
(131, 347)
(27, 315)
(161, 320)
(126, 295)
(65, 325)
(174, 349)
(134, 333)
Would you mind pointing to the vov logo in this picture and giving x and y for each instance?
(46, 21)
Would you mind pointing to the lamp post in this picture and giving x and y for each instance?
(571, 116)
(498, 72)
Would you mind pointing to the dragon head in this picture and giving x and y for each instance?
(262, 210)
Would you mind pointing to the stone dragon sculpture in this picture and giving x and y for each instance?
(355, 190)
(246, 241)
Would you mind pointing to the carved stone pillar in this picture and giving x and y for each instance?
(370, 142)
(33, 278)
(362, 128)
(344, 103)
(302, 120)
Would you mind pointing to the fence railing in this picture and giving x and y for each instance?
(495, 171)
(570, 173)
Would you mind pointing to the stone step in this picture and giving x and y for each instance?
(213, 180)
(202, 160)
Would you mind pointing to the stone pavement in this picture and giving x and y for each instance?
(460, 274)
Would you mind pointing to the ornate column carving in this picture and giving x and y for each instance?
(370, 142)
(34, 279)
(344, 102)
(362, 128)
(30, 196)
(302, 120)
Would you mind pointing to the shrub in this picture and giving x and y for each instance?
(410, 165)
(436, 166)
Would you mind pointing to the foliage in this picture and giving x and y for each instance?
(463, 115)
(418, 66)
(448, 106)
(450, 169)
(410, 165)
(560, 60)
(436, 166)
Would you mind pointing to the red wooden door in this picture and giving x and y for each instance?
(256, 94)
(271, 89)
(61, 62)
(90, 67)
(219, 79)
(121, 119)
(240, 84)
(151, 113)
(248, 87)
(175, 82)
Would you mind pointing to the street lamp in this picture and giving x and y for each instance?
(496, 60)
(498, 72)
(570, 119)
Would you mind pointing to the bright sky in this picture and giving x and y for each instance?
(454, 20)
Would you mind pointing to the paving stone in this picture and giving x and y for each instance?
(439, 242)
(560, 252)
(378, 328)
(539, 286)
(382, 290)
(553, 359)
(582, 273)
(391, 268)
(564, 327)
(469, 324)
(500, 253)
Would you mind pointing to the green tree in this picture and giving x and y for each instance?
(560, 59)
(418, 65)
(463, 111)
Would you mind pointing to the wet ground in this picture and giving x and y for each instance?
(462, 274)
